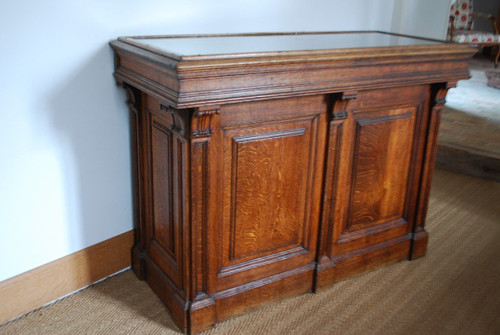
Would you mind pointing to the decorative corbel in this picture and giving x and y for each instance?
(340, 103)
(133, 98)
(203, 121)
(439, 92)
(178, 119)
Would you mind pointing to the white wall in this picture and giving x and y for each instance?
(65, 171)
(426, 18)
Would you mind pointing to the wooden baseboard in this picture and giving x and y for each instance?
(35, 288)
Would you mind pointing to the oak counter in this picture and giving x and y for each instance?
(270, 165)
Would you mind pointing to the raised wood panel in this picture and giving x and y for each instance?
(267, 209)
(269, 181)
(167, 155)
(374, 170)
(380, 177)
(163, 220)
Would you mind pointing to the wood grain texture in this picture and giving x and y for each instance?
(163, 226)
(267, 175)
(166, 160)
(267, 211)
(37, 287)
(438, 98)
(267, 206)
(373, 179)
(380, 176)
(269, 196)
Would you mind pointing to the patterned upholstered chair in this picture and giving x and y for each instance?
(461, 27)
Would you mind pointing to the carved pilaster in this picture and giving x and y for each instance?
(204, 177)
(339, 107)
(134, 101)
(202, 123)
(438, 99)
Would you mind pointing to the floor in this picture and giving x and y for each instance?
(469, 138)
(454, 289)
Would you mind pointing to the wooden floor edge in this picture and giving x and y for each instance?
(35, 288)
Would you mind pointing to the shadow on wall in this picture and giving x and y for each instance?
(89, 114)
